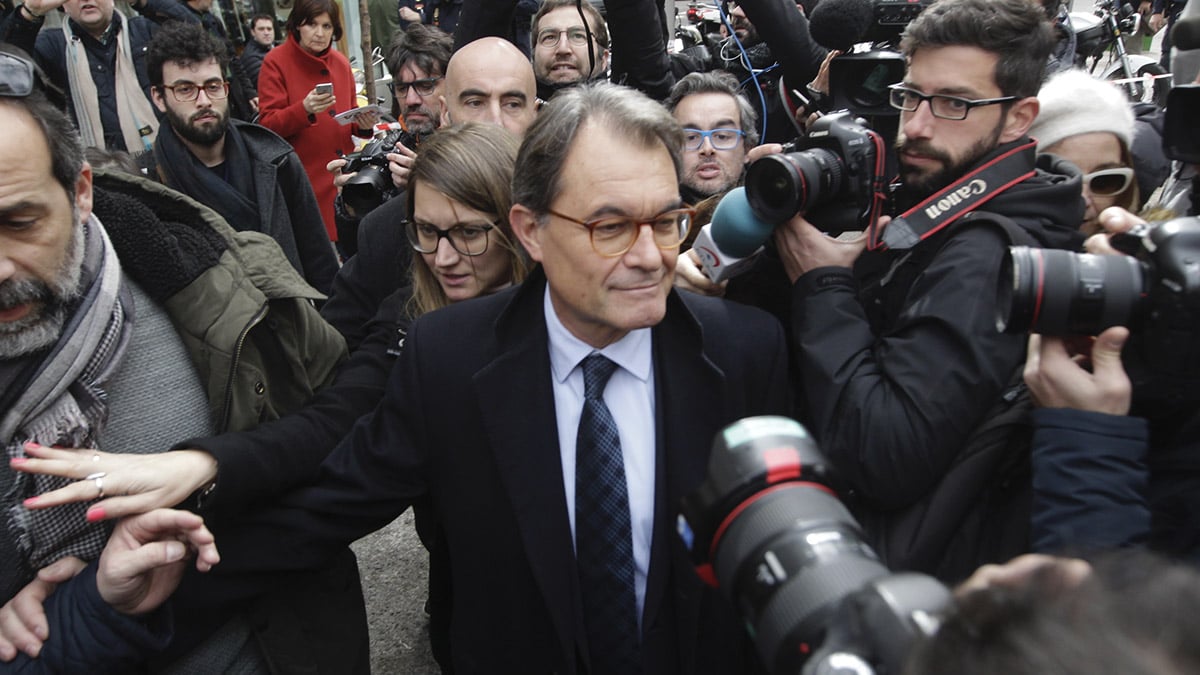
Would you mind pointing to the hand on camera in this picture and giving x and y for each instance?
(803, 247)
(1058, 378)
(1114, 220)
(400, 162)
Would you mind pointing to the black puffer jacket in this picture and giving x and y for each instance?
(899, 360)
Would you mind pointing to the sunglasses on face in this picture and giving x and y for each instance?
(1108, 182)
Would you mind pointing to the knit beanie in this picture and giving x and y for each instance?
(1073, 103)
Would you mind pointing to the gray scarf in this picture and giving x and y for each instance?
(61, 401)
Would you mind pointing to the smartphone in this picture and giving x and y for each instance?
(325, 88)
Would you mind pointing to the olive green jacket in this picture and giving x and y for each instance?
(245, 315)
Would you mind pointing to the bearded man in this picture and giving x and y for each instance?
(245, 172)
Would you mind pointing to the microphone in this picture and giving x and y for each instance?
(728, 245)
(840, 24)
(1186, 33)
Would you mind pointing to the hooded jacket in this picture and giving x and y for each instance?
(900, 359)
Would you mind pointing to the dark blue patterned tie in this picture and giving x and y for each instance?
(603, 534)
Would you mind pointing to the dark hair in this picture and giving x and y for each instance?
(1016, 31)
(424, 46)
(717, 82)
(184, 44)
(305, 12)
(261, 17)
(595, 21)
(1134, 615)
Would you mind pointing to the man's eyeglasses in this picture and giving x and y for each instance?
(187, 91)
(469, 240)
(1108, 182)
(423, 86)
(612, 236)
(16, 76)
(576, 37)
(945, 107)
(721, 139)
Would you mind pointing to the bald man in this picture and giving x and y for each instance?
(488, 80)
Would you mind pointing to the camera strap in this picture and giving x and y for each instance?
(959, 198)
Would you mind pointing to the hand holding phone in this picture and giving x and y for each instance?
(325, 88)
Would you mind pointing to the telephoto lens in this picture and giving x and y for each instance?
(1056, 292)
(780, 186)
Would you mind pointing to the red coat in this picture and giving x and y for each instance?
(288, 74)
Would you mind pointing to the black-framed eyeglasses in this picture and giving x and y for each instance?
(1108, 182)
(941, 105)
(721, 139)
(16, 76)
(190, 91)
(424, 87)
(577, 36)
(469, 240)
(612, 236)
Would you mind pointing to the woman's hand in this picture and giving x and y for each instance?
(315, 102)
(127, 484)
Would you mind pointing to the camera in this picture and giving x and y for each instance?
(767, 528)
(366, 189)
(1155, 291)
(834, 176)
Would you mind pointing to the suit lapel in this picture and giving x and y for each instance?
(688, 389)
(521, 427)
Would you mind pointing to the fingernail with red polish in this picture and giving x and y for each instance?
(31, 444)
(32, 501)
(17, 461)
(95, 514)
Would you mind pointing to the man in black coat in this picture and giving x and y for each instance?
(245, 172)
(483, 414)
(262, 39)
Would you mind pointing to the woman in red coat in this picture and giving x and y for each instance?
(292, 106)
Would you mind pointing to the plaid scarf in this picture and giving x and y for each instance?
(57, 398)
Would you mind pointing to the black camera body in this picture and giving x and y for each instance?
(890, 18)
(767, 528)
(1155, 292)
(834, 176)
(373, 180)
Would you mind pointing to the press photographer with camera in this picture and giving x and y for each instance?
(1116, 444)
(893, 332)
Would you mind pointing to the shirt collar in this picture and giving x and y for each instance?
(631, 352)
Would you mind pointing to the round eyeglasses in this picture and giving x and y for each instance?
(469, 240)
(549, 38)
(1108, 182)
(945, 107)
(721, 139)
(189, 91)
(612, 236)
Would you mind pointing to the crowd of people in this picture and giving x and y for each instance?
(217, 373)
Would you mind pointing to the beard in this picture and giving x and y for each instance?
(919, 184)
(188, 130)
(424, 127)
(50, 301)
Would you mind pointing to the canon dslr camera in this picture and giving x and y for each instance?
(766, 527)
(1155, 292)
(834, 176)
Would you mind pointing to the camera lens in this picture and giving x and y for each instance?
(780, 186)
(1062, 293)
(787, 557)
(365, 190)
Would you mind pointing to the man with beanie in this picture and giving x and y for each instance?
(1089, 123)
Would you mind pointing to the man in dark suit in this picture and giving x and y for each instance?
(489, 411)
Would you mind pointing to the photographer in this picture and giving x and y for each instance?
(1114, 463)
(896, 346)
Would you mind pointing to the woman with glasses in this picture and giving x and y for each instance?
(459, 199)
(1089, 123)
(303, 84)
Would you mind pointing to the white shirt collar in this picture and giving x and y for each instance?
(632, 352)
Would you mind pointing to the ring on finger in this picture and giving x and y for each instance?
(96, 457)
(98, 477)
